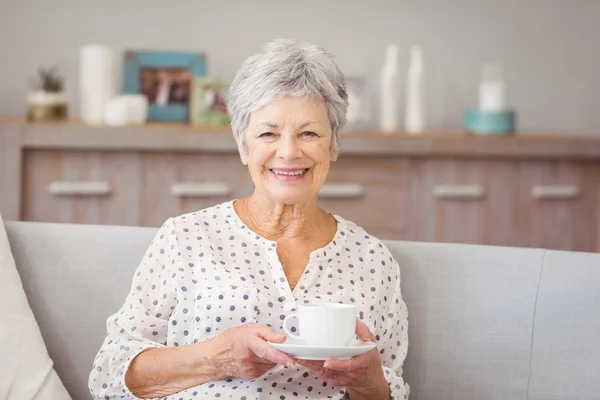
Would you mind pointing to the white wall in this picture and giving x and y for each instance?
(550, 48)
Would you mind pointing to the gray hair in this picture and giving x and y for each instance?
(285, 68)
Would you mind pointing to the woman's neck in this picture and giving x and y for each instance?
(281, 222)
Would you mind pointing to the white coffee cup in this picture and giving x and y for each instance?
(324, 324)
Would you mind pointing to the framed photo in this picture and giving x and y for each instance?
(359, 103)
(165, 78)
(209, 101)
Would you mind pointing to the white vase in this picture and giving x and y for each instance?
(97, 82)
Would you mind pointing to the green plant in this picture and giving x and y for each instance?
(49, 80)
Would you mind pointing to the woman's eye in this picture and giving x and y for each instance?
(266, 135)
(309, 133)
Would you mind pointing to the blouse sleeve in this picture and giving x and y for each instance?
(142, 321)
(393, 339)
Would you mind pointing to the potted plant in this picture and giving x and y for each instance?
(48, 101)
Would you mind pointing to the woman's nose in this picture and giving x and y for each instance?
(289, 148)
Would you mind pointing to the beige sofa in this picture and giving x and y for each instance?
(485, 322)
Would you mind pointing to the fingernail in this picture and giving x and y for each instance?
(327, 364)
(290, 364)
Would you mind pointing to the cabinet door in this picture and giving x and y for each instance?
(81, 187)
(10, 171)
(461, 201)
(369, 191)
(175, 184)
(558, 205)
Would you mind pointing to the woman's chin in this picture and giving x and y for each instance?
(289, 196)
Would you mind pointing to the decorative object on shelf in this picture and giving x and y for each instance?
(209, 99)
(414, 122)
(490, 122)
(492, 116)
(165, 78)
(48, 101)
(115, 112)
(126, 109)
(98, 72)
(492, 90)
(359, 104)
(137, 108)
(389, 91)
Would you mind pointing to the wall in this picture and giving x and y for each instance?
(549, 47)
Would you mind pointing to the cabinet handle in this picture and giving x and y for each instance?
(555, 192)
(459, 192)
(341, 190)
(209, 189)
(88, 189)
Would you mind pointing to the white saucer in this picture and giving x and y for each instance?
(301, 351)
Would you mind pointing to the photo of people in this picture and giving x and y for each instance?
(215, 100)
(165, 86)
(209, 101)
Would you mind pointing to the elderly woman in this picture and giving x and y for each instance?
(215, 285)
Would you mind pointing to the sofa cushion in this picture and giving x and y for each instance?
(96, 264)
(26, 370)
(565, 359)
(471, 311)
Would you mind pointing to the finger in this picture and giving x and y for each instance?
(267, 333)
(311, 364)
(316, 367)
(267, 352)
(356, 364)
(363, 332)
(339, 381)
(333, 378)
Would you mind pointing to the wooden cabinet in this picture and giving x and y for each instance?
(558, 205)
(538, 191)
(174, 183)
(81, 187)
(547, 204)
(370, 191)
(461, 201)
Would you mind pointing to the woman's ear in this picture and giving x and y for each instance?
(241, 149)
(334, 156)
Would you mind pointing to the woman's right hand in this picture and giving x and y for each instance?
(245, 354)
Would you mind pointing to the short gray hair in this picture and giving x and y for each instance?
(284, 68)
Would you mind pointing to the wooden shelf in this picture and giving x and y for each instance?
(183, 138)
(530, 189)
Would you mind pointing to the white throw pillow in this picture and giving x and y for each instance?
(26, 370)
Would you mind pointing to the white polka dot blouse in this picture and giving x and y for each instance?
(206, 271)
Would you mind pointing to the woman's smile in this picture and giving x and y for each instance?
(289, 174)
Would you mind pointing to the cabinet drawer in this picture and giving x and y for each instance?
(81, 187)
(558, 204)
(368, 191)
(175, 184)
(461, 201)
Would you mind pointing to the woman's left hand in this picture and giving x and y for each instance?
(362, 374)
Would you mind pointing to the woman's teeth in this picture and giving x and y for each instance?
(290, 173)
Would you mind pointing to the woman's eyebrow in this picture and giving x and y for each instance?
(275, 126)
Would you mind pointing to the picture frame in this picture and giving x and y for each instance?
(209, 98)
(165, 78)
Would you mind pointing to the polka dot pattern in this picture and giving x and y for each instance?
(206, 271)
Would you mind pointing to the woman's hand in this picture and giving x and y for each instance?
(362, 375)
(245, 354)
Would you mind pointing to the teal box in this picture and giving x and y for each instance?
(490, 122)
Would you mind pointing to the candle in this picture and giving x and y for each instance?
(492, 90)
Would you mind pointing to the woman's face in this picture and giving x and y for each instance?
(289, 149)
